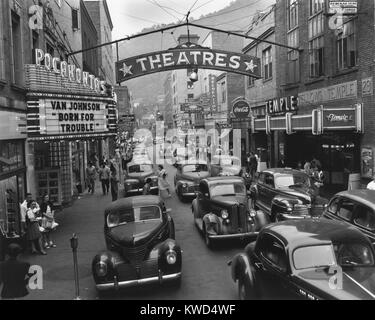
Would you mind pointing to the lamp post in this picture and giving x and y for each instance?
(74, 246)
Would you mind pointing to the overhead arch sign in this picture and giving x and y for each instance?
(204, 58)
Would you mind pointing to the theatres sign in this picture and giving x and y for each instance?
(197, 57)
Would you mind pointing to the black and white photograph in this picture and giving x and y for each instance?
(165, 151)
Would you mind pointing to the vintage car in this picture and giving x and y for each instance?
(286, 194)
(356, 207)
(188, 176)
(221, 210)
(141, 246)
(225, 165)
(314, 259)
(135, 177)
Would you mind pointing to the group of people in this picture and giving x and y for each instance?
(38, 222)
(314, 169)
(109, 176)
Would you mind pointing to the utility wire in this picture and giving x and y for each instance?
(157, 4)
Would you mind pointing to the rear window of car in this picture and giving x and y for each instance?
(129, 215)
(314, 257)
(365, 217)
(346, 209)
(140, 168)
(194, 168)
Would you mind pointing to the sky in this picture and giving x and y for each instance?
(131, 16)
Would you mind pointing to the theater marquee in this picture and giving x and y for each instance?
(196, 57)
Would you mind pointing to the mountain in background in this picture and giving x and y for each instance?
(237, 16)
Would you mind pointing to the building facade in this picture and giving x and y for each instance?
(15, 44)
(332, 76)
(259, 91)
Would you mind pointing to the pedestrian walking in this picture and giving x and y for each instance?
(48, 222)
(91, 176)
(162, 181)
(115, 178)
(318, 176)
(104, 175)
(147, 187)
(281, 163)
(23, 210)
(33, 231)
(253, 165)
(14, 275)
(307, 168)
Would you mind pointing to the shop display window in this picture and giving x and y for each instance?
(11, 156)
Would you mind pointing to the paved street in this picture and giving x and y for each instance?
(205, 272)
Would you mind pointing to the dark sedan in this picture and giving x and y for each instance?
(135, 177)
(188, 176)
(141, 246)
(286, 194)
(356, 207)
(310, 259)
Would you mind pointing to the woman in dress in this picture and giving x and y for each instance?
(48, 222)
(162, 181)
(33, 233)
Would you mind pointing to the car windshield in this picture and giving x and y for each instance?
(139, 168)
(314, 257)
(353, 254)
(227, 189)
(194, 168)
(139, 214)
(292, 180)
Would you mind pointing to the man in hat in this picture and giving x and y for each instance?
(14, 275)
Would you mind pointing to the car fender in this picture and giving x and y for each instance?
(111, 259)
(131, 181)
(212, 223)
(240, 266)
(160, 250)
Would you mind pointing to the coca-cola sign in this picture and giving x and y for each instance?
(241, 109)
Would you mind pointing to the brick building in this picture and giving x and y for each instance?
(331, 73)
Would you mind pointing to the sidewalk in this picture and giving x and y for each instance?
(85, 218)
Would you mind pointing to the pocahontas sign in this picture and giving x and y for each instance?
(190, 57)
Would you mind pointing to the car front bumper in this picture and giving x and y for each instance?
(115, 285)
(289, 217)
(140, 190)
(234, 235)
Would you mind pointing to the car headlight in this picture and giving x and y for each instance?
(171, 257)
(253, 213)
(224, 214)
(184, 185)
(101, 269)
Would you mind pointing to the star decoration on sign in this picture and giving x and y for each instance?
(250, 66)
(126, 70)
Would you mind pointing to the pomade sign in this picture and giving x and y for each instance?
(187, 58)
(72, 117)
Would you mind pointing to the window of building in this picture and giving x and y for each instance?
(316, 6)
(17, 69)
(250, 81)
(293, 70)
(292, 14)
(75, 19)
(316, 43)
(267, 63)
(347, 46)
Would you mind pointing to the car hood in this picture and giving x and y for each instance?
(231, 200)
(354, 285)
(135, 233)
(139, 176)
(195, 176)
(303, 193)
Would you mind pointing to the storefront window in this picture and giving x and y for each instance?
(11, 194)
(11, 156)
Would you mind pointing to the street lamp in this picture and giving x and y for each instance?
(194, 75)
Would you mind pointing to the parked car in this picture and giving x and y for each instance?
(188, 176)
(225, 165)
(286, 194)
(306, 259)
(356, 207)
(141, 246)
(221, 210)
(135, 177)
